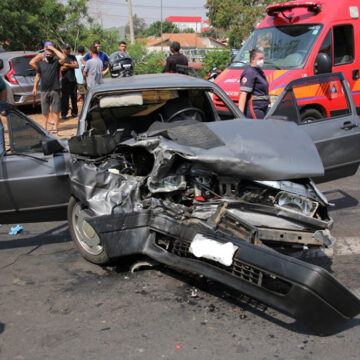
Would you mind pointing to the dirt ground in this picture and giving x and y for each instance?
(67, 128)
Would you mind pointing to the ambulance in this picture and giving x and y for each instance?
(300, 39)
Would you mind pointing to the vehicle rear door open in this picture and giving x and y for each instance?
(332, 122)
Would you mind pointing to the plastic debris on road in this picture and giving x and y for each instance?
(16, 230)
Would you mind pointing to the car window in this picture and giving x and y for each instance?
(22, 67)
(343, 44)
(24, 136)
(314, 100)
(326, 46)
(137, 111)
(223, 110)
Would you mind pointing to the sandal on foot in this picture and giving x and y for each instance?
(54, 131)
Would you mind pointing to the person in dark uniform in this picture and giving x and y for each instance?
(68, 83)
(254, 88)
(175, 59)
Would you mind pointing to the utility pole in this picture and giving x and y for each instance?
(161, 21)
(131, 23)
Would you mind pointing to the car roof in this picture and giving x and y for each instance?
(151, 81)
(11, 54)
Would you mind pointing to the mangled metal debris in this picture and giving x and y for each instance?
(228, 205)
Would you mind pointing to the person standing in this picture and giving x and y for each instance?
(122, 49)
(48, 70)
(101, 55)
(254, 88)
(175, 59)
(93, 71)
(81, 85)
(68, 83)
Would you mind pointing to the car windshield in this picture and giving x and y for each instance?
(285, 47)
(22, 67)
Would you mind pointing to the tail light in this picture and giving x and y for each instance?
(10, 75)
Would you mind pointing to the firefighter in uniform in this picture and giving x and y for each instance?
(254, 88)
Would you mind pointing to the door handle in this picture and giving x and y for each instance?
(348, 125)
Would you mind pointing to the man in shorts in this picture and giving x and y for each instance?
(81, 84)
(48, 70)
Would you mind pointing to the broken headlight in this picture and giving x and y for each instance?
(296, 202)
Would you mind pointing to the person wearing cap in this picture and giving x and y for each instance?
(175, 59)
(68, 83)
(81, 84)
(48, 70)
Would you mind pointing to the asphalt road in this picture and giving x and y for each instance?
(55, 305)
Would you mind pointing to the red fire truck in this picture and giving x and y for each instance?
(300, 39)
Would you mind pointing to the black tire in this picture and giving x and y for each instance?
(308, 115)
(83, 236)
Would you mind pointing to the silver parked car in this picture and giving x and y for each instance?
(18, 76)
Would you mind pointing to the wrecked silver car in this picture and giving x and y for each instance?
(154, 171)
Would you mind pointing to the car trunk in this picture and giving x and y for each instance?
(23, 73)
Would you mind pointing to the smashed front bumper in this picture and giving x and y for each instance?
(304, 291)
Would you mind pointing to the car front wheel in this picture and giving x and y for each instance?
(83, 234)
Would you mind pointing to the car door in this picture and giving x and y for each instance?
(33, 186)
(331, 120)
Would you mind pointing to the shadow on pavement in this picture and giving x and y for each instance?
(340, 199)
(45, 238)
(233, 297)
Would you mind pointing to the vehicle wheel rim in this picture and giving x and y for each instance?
(85, 234)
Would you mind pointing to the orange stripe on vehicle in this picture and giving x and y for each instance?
(307, 91)
(356, 86)
(276, 74)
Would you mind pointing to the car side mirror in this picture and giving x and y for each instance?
(51, 146)
(322, 64)
(1, 64)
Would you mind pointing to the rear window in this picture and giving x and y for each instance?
(22, 67)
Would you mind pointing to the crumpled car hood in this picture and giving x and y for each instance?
(249, 149)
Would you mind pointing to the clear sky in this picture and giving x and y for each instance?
(115, 12)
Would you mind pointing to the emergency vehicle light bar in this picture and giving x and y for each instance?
(275, 9)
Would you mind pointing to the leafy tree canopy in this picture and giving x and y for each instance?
(25, 25)
(146, 63)
(238, 17)
(167, 27)
(139, 26)
(216, 58)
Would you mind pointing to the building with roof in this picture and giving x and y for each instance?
(186, 22)
(193, 45)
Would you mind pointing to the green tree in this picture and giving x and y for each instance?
(146, 63)
(25, 25)
(214, 33)
(139, 26)
(167, 27)
(216, 58)
(238, 17)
